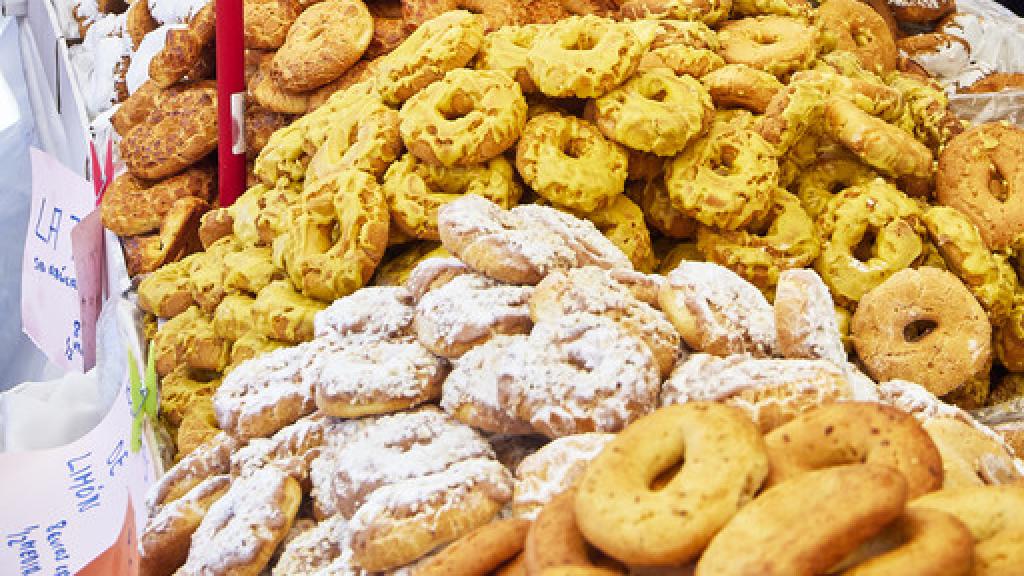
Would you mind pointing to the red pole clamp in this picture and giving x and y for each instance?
(230, 100)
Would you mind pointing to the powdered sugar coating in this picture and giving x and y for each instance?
(469, 309)
(292, 448)
(553, 469)
(717, 311)
(472, 387)
(240, 527)
(590, 246)
(375, 311)
(192, 504)
(392, 449)
(432, 273)
(361, 371)
(323, 546)
(264, 394)
(947, 59)
(579, 373)
(771, 391)
(152, 43)
(175, 11)
(209, 459)
(805, 318)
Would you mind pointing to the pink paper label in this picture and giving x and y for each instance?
(50, 301)
(87, 251)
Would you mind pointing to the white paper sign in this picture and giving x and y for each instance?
(50, 303)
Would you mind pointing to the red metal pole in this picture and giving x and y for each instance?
(230, 100)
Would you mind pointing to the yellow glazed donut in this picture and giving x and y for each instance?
(584, 56)
(655, 111)
(332, 248)
(776, 44)
(569, 162)
(989, 276)
(725, 179)
(505, 49)
(1009, 341)
(468, 117)
(367, 139)
(415, 190)
(780, 7)
(876, 142)
(789, 240)
(706, 11)
(682, 60)
(653, 199)
(924, 326)
(445, 43)
(723, 464)
(854, 26)
(869, 233)
(742, 86)
(396, 270)
(623, 223)
(821, 181)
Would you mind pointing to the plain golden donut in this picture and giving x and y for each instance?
(776, 44)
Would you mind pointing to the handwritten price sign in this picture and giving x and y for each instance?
(50, 287)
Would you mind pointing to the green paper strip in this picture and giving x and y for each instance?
(135, 393)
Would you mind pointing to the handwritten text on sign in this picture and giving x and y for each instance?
(50, 306)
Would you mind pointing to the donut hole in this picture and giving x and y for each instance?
(459, 106)
(764, 38)
(575, 148)
(724, 163)
(998, 186)
(862, 37)
(579, 42)
(665, 476)
(658, 95)
(919, 329)
(865, 249)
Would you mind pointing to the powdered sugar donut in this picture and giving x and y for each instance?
(524, 244)
(322, 548)
(242, 528)
(432, 273)
(579, 373)
(771, 391)
(596, 291)
(403, 522)
(941, 55)
(805, 318)
(164, 543)
(470, 393)
(553, 469)
(921, 11)
(467, 311)
(386, 451)
(378, 311)
(717, 311)
(209, 459)
(354, 377)
(265, 394)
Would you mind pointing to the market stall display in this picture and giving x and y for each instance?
(579, 288)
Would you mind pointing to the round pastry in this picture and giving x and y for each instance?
(583, 57)
(919, 11)
(596, 291)
(819, 183)
(266, 23)
(653, 199)
(779, 7)
(706, 11)
(184, 47)
(771, 391)
(444, 43)
(325, 40)
(925, 326)
(470, 393)
(740, 85)
(481, 551)
(833, 510)
(805, 318)
(922, 541)
(553, 469)
(395, 271)
(717, 311)
(469, 310)
(367, 140)
(876, 142)
(388, 33)
(544, 382)
(265, 394)
(941, 55)
(164, 542)
(266, 90)
(726, 179)
(682, 60)
(980, 175)
(283, 314)
(132, 206)
(357, 377)
(655, 111)
(506, 49)
(567, 161)
(208, 459)
(970, 457)
(623, 223)
(926, 112)
(416, 190)
(374, 312)
(789, 240)
(432, 273)
(870, 232)
(855, 433)
(995, 82)
(242, 529)
(522, 245)
(989, 276)
(179, 132)
(467, 117)
(554, 540)
(860, 30)
(403, 522)
(776, 44)
(991, 514)
(619, 512)
(332, 248)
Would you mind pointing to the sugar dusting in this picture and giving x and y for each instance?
(259, 385)
(474, 379)
(377, 311)
(806, 319)
(471, 307)
(553, 469)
